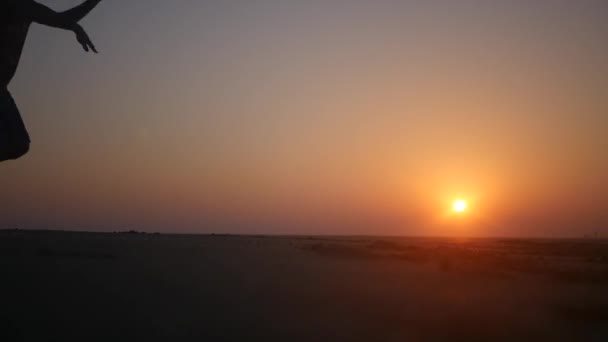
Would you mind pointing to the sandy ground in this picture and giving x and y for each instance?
(142, 287)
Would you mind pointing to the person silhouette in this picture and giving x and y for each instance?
(15, 19)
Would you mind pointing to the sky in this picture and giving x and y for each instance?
(317, 117)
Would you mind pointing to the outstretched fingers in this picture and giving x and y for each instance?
(84, 40)
(89, 46)
(85, 47)
(93, 47)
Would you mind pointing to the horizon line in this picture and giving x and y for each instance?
(596, 237)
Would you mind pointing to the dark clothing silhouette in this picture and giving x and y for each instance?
(14, 27)
(16, 17)
(14, 139)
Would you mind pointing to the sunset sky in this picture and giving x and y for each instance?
(317, 117)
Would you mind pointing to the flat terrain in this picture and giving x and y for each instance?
(59, 286)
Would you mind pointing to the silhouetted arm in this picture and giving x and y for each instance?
(77, 13)
(67, 20)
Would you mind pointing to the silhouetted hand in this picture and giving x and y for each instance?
(83, 39)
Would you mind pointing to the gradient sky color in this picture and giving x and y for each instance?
(308, 117)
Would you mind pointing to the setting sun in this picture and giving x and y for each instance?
(459, 206)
